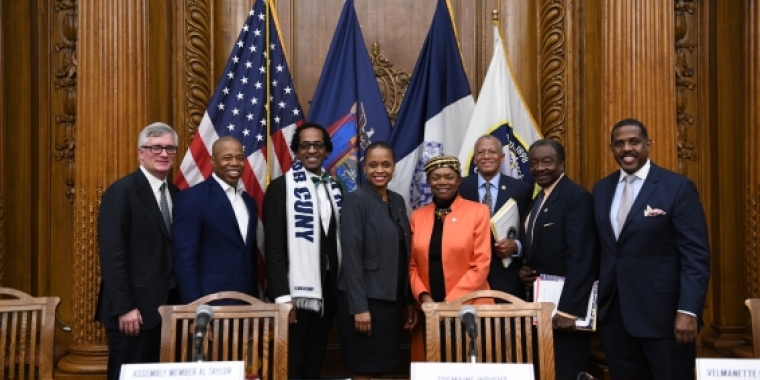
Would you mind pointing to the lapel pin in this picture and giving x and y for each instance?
(503, 187)
(546, 209)
(453, 220)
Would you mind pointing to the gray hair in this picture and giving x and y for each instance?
(485, 137)
(155, 130)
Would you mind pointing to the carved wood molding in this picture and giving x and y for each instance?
(66, 84)
(685, 26)
(197, 46)
(752, 133)
(392, 82)
(86, 257)
(553, 64)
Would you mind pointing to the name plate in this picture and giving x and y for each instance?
(184, 371)
(734, 369)
(471, 371)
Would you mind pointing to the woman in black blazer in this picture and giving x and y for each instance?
(373, 285)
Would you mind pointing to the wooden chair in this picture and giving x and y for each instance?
(753, 304)
(27, 332)
(256, 333)
(505, 332)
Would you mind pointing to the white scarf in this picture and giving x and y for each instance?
(304, 235)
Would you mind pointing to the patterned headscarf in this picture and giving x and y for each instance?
(442, 162)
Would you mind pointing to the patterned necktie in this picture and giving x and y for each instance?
(164, 207)
(533, 214)
(322, 178)
(487, 198)
(626, 201)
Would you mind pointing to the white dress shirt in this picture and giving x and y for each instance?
(235, 195)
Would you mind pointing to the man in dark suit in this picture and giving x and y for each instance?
(135, 252)
(311, 319)
(655, 262)
(492, 188)
(560, 239)
(214, 231)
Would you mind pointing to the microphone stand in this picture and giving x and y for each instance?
(199, 350)
(473, 351)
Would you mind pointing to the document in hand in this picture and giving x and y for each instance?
(548, 288)
(505, 224)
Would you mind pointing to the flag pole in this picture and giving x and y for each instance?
(267, 107)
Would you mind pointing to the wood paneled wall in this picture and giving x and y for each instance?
(80, 78)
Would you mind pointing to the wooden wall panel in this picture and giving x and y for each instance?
(18, 149)
(638, 74)
(3, 53)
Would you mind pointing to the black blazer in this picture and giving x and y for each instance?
(500, 278)
(370, 245)
(135, 252)
(275, 222)
(565, 244)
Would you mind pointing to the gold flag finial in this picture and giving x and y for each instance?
(495, 15)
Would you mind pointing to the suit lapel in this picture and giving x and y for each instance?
(608, 192)
(217, 190)
(543, 215)
(649, 186)
(252, 217)
(503, 191)
(145, 192)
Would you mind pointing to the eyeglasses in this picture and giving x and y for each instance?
(156, 149)
(306, 145)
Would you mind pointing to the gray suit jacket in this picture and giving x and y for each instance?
(369, 243)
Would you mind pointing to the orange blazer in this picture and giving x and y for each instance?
(466, 249)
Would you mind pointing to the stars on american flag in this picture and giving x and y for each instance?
(247, 120)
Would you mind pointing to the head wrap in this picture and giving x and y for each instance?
(442, 162)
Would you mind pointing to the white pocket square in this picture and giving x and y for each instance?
(653, 211)
(548, 224)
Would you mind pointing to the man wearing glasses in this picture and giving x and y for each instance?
(134, 225)
(302, 249)
(490, 187)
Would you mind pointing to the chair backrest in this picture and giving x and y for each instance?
(753, 304)
(254, 332)
(505, 332)
(27, 334)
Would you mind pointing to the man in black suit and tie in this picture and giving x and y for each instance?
(494, 189)
(655, 262)
(302, 249)
(560, 239)
(136, 252)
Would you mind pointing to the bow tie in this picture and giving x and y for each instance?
(322, 178)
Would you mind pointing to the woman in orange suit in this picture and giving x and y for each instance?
(451, 243)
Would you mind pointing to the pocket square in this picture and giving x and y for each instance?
(548, 224)
(653, 211)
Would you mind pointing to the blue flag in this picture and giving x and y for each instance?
(435, 112)
(348, 101)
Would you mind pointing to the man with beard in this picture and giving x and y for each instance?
(214, 231)
(560, 239)
(494, 189)
(655, 262)
(302, 249)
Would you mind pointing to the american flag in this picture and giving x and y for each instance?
(238, 108)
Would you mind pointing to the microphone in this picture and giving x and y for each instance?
(467, 315)
(203, 315)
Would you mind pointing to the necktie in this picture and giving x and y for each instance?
(487, 197)
(322, 178)
(533, 214)
(626, 201)
(164, 207)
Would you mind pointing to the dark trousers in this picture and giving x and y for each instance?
(307, 339)
(636, 358)
(571, 353)
(122, 349)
